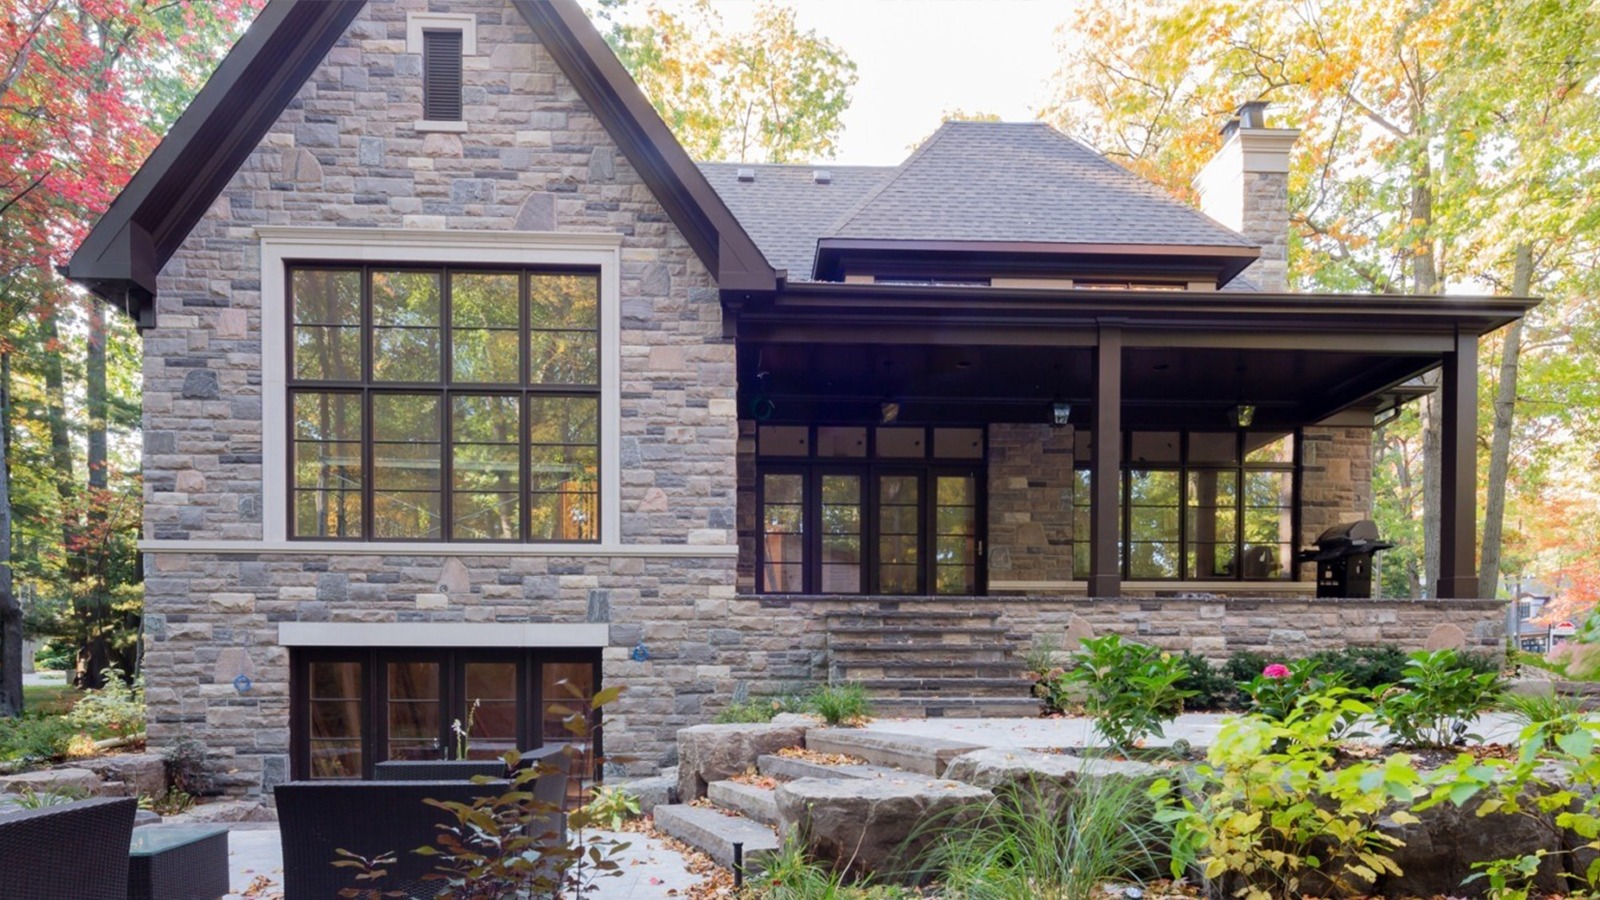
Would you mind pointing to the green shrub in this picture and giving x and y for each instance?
(1275, 813)
(612, 807)
(1437, 700)
(1041, 656)
(841, 704)
(790, 875)
(1208, 687)
(752, 711)
(56, 796)
(114, 710)
(1244, 665)
(55, 655)
(34, 738)
(1555, 712)
(1364, 668)
(1129, 689)
(1030, 842)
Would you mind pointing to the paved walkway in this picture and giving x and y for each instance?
(649, 869)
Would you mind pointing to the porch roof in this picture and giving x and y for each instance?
(968, 354)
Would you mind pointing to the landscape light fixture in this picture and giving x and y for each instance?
(1243, 415)
(889, 412)
(1059, 413)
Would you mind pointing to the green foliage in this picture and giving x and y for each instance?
(1030, 841)
(1436, 700)
(168, 803)
(1208, 687)
(1274, 813)
(56, 796)
(1279, 690)
(1555, 712)
(54, 656)
(34, 738)
(841, 704)
(115, 710)
(791, 875)
(1365, 668)
(1129, 689)
(1041, 656)
(752, 711)
(612, 807)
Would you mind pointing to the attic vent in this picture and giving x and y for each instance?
(747, 175)
(821, 176)
(441, 76)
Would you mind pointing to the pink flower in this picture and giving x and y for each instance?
(1276, 670)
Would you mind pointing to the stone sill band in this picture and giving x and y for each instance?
(339, 548)
(442, 634)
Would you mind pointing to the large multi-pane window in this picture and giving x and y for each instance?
(848, 509)
(456, 404)
(1198, 506)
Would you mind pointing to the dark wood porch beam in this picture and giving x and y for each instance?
(1105, 570)
(1458, 472)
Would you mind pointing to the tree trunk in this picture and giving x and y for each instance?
(1505, 399)
(1425, 280)
(10, 608)
(96, 652)
(55, 385)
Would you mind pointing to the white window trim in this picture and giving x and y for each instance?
(467, 24)
(426, 246)
(443, 634)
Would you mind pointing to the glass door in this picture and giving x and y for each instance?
(840, 529)
(489, 700)
(413, 708)
(900, 529)
(956, 545)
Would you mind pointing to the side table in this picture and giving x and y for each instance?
(178, 862)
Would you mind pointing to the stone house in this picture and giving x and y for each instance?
(465, 389)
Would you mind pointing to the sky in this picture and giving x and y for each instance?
(917, 58)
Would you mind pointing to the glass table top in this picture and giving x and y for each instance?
(149, 839)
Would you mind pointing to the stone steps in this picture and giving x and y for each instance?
(922, 755)
(748, 800)
(945, 707)
(889, 633)
(784, 768)
(943, 686)
(714, 833)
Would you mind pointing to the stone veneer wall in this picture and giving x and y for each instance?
(533, 158)
(1030, 503)
(1336, 481)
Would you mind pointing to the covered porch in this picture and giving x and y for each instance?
(926, 439)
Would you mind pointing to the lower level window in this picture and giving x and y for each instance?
(354, 708)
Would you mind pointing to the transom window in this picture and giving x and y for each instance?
(858, 510)
(433, 404)
(1198, 506)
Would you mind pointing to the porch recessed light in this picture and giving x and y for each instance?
(1060, 413)
(889, 412)
(1243, 415)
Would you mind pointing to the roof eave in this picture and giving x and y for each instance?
(1225, 262)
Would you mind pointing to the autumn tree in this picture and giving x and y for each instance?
(1444, 146)
(86, 88)
(772, 93)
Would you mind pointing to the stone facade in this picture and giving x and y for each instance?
(533, 158)
(1030, 503)
(1336, 479)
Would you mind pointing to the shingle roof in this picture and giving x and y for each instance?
(785, 211)
(970, 181)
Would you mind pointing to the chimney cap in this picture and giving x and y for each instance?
(1252, 114)
(1228, 128)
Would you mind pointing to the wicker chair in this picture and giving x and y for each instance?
(370, 818)
(77, 850)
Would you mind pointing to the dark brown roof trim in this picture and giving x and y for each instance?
(226, 121)
(678, 184)
(1221, 261)
(150, 219)
(1378, 313)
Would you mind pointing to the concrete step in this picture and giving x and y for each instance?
(911, 630)
(923, 755)
(748, 800)
(925, 618)
(930, 668)
(941, 685)
(785, 768)
(714, 833)
(889, 650)
(943, 706)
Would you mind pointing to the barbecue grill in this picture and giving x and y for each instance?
(1344, 558)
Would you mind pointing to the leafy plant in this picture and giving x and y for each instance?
(1280, 689)
(1244, 665)
(1436, 701)
(1030, 842)
(841, 704)
(34, 738)
(613, 806)
(1208, 687)
(790, 875)
(1556, 712)
(1041, 656)
(114, 709)
(1364, 668)
(55, 796)
(168, 803)
(1130, 689)
(1272, 814)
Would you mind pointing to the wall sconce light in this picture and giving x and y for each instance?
(1060, 413)
(1242, 415)
(889, 412)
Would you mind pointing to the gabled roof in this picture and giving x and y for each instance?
(785, 207)
(122, 256)
(1023, 182)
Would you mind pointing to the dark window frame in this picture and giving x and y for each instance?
(442, 69)
(869, 467)
(1184, 468)
(452, 660)
(446, 388)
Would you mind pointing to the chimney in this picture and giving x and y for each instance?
(1246, 187)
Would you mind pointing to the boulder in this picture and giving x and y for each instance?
(651, 792)
(1044, 782)
(73, 781)
(225, 812)
(143, 773)
(1440, 849)
(873, 826)
(708, 753)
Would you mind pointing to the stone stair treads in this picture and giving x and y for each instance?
(924, 755)
(748, 800)
(714, 833)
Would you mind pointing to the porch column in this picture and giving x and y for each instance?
(1458, 472)
(1105, 573)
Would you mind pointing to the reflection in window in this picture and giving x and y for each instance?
(336, 715)
(783, 533)
(466, 407)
